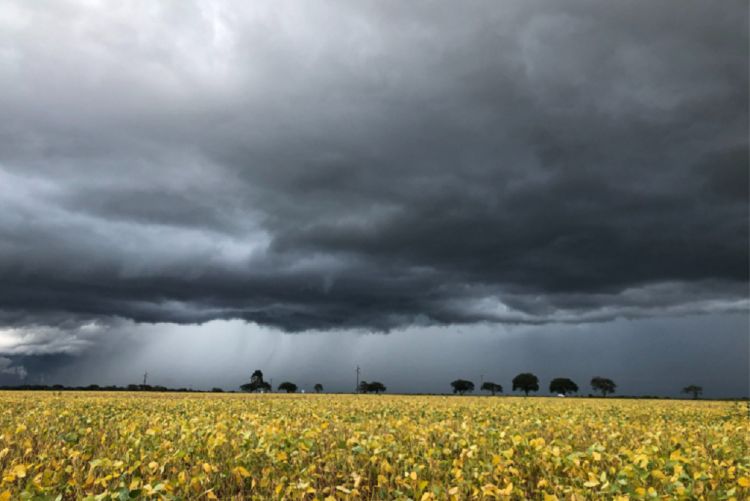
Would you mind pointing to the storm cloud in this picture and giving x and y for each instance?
(368, 165)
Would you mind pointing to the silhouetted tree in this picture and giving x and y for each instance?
(526, 382)
(318, 388)
(257, 378)
(492, 387)
(374, 387)
(563, 385)
(603, 385)
(694, 390)
(217, 390)
(256, 383)
(288, 387)
(462, 386)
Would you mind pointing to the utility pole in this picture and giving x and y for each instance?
(145, 378)
(356, 388)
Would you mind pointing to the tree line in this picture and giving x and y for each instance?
(528, 382)
(525, 382)
(364, 387)
(258, 384)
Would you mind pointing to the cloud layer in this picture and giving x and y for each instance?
(370, 165)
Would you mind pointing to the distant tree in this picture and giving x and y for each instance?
(318, 388)
(256, 383)
(526, 382)
(462, 386)
(376, 387)
(288, 387)
(257, 378)
(694, 390)
(216, 389)
(603, 385)
(563, 385)
(492, 387)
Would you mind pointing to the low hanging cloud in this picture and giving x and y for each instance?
(370, 165)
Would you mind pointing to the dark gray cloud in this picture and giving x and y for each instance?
(370, 165)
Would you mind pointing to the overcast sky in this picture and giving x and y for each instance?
(430, 190)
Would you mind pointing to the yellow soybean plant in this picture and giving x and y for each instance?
(121, 446)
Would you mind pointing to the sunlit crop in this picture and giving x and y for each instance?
(168, 446)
